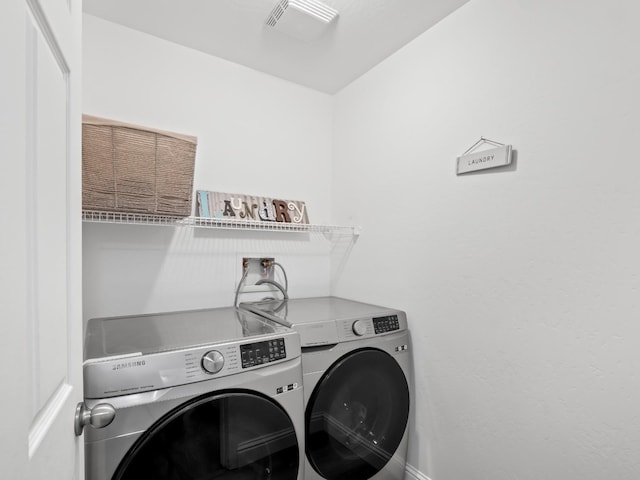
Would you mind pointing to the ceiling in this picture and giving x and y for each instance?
(364, 34)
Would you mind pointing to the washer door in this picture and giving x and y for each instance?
(226, 436)
(357, 415)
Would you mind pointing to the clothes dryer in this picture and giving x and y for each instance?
(200, 394)
(356, 367)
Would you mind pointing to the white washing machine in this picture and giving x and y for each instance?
(192, 395)
(356, 367)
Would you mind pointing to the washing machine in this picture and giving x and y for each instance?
(356, 376)
(201, 394)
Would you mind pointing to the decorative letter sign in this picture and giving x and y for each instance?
(232, 206)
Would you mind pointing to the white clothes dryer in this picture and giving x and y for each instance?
(200, 394)
(357, 369)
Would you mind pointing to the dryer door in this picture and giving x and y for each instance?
(357, 415)
(226, 436)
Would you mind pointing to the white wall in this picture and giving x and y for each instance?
(521, 285)
(257, 135)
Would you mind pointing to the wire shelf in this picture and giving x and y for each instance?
(203, 222)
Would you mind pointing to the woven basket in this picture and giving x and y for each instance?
(128, 168)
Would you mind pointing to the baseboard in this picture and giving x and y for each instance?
(412, 473)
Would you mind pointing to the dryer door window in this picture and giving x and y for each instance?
(229, 436)
(357, 415)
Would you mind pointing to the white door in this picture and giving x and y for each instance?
(40, 202)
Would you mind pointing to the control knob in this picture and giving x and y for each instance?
(359, 328)
(213, 361)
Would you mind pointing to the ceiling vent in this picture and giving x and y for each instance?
(302, 19)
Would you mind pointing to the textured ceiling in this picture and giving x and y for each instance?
(365, 33)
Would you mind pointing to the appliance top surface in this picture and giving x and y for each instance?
(316, 309)
(153, 333)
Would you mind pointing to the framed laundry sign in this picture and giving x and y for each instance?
(233, 206)
(471, 160)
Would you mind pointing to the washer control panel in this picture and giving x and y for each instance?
(136, 373)
(388, 323)
(259, 353)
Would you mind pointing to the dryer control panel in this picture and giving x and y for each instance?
(386, 324)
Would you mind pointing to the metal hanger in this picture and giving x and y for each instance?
(482, 141)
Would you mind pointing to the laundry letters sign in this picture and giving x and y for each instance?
(231, 206)
(491, 158)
